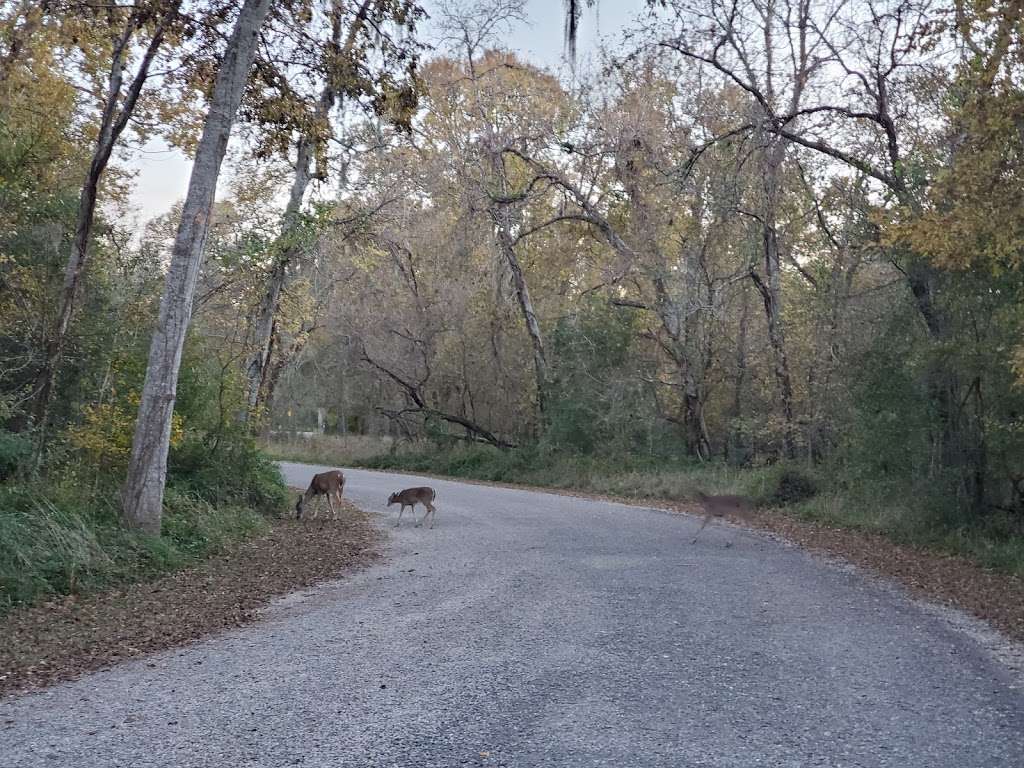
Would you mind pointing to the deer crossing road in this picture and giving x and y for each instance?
(530, 629)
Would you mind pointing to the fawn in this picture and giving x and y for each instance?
(410, 497)
(329, 484)
(721, 506)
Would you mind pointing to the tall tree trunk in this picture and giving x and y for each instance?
(737, 451)
(771, 293)
(278, 361)
(259, 364)
(671, 316)
(540, 363)
(142, 495)
(113, 121)
(257, 373)
(501, 216)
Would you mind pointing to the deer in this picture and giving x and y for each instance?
(329, 484)
(410, 497)
(721, 506)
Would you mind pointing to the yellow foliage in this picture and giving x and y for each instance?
(104, 436)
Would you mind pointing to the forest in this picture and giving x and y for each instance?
(760, 241)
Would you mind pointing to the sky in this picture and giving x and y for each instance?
(162, 173)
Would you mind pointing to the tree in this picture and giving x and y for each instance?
(118, 29)
(142, 495)
(343, 75)
(491, 101)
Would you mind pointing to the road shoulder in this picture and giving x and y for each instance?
(63, 639)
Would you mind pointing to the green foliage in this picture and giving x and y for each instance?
(789, 485)
(69, 539)
(624, 474)
(595, 403)
(227, 470)
(889, 429)
(15, 452)
(61, 533)
(194, 527)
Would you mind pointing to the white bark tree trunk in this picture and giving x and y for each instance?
(522, 289)
(142, 495)
(258, 373)
(259, 365)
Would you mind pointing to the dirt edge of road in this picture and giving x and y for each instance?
(64, 638)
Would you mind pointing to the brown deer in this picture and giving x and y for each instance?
(410, 497)
(724, 506)
(329, 484)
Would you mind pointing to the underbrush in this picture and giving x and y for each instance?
(633, 476)
(62, 535)
(921, 520)
(344, 450)
(914, 517)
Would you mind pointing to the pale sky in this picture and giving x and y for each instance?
(163, 173)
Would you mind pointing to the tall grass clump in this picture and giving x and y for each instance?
(61, 532)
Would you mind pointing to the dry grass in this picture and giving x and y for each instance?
(330, 450)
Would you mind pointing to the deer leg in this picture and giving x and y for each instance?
(706, 519)
(401, 509)
(432, 511)
(330, 504)
(428, 510)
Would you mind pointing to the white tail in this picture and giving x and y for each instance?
(410, 497)
(724, 506)
(330, 484)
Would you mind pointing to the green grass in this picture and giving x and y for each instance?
(641, 477)
(66, 537)
(995, 541)
(55, 544)
(908, 517)
(636, 476)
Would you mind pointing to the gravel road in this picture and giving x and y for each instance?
(530, 629)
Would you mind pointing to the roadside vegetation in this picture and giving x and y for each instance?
(62, 534)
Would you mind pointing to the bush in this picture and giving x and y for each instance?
(792, 486)
(44, 547)
(227, 470)
(15, 452)
(63, 534)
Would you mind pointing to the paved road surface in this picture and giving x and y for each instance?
(538, 630)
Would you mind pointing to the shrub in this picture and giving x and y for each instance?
(791, 486)
(44, 547)
(15, 452)
(227, 470)
(57, 540)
